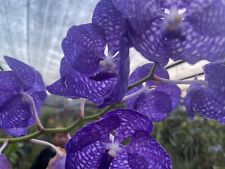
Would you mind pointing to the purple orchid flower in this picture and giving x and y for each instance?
(4, 162)
(22, 94)
(160, 30)
(208, 99)
(86, 72)
(156, 100)
(120, 140)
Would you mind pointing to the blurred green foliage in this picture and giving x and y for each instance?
(192, 144)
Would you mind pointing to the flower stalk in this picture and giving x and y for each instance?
(30, 100)
(140, 91)
(3, 146)
(145, 79)
(188, 82)
(82, 106)
(36, 141)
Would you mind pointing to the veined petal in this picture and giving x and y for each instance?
(89, 157)
(120, 161)
(149, 41)
(89, 36)
(9, 82)
(74, 85)
(28, 75)
(210, 23)
(196, 47)
(138, 9)
(130, 122)
(5, 96)
(145, 153)
(15, 113)
(209, 100)
(112, 23)
(86, 149)
(215, 76)
(172, 90)
(59, 88)
(84, 46)
(154, 104)
(139, 74)
(209, 103)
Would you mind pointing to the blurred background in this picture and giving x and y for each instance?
(192, 144)
(32, 31)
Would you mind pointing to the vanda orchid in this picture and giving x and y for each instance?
(96, 67)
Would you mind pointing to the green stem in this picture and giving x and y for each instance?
(145, 79)
(79, 121)
(47, 131)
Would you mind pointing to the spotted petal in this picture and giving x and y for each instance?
(197, 47)
(154, 104)
(112, 22)
(149, 41)
(120, 161)
(138, 9)
(210, 23)
(215, 75)
(84, 46)
(209, 100)
(74, 85)
(144, 152)
(87, 147)
(59, 88)
(139, 74)
(130, 122)
(10, 85)
(15, 113)
(209, 103)
(9, 82)
(5, 97)
(172, 90)
(28, 75)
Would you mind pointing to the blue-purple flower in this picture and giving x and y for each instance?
(90, 69)
(159, 30)
(208, 98)
(4, 162)
(154, 99)
(120, 140)
(22, 93)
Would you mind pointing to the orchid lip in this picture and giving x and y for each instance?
(108, 63)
